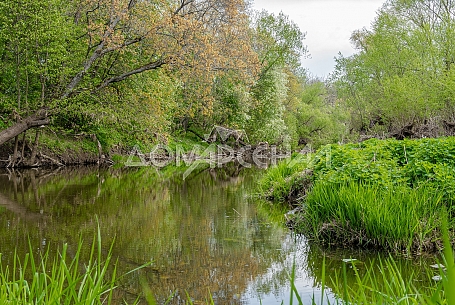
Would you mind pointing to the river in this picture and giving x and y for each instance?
(207, 235)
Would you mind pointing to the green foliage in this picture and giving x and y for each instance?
(36, 36)
(391, 162)
(278, 41)
(266, 122)
(279, 45)
(135, 84)
(320, 118)
(232, 102)
(139, 113)
(61, 143)
(284, 180)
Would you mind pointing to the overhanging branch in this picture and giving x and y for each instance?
(37, 119)
(151, 66)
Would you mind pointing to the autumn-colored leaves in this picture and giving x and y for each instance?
(131, 63)
(195, 39)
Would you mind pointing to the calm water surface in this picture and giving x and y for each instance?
(206, 235)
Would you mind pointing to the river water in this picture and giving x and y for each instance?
(207, 235)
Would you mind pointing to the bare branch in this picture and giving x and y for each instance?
(150, 66)
(183, 4)
(123, 45)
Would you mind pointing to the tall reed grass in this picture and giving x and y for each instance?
(396, 218)
(60, 280)
(383, 282)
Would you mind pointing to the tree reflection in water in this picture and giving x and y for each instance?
(203, 234)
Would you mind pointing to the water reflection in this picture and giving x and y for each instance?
(205, 235)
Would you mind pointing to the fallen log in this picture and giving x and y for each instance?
(39, 118)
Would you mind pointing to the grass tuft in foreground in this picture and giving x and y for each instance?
(383, 282)
(60, 280)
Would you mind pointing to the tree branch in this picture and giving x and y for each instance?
(150, 66)
(38, 119)
(125, 44)
(97, 53)
(182, 5)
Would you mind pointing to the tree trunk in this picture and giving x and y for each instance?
(16, 144)
(34, 149)
(37, 119)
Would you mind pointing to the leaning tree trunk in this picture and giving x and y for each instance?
(37, 119)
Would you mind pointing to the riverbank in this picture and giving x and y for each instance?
(58, 148)
(53, 148)
(210, 221)
(386, 194)
(186, 151)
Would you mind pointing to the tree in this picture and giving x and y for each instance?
(34, 36)
(279, 44)
(278, 41)
(106, 42)
(194, 38)
(266, 121)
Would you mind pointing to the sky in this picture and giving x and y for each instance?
(328, 24)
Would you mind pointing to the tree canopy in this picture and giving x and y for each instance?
(402, 76)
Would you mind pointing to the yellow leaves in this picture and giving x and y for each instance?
(209, 35)
(197, 40)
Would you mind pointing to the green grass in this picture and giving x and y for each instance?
(396, 218)
(381, 193)
(285, 179)
(384, 282)
(60, 280)
(58, 143)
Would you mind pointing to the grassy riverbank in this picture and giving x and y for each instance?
(380, 193)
